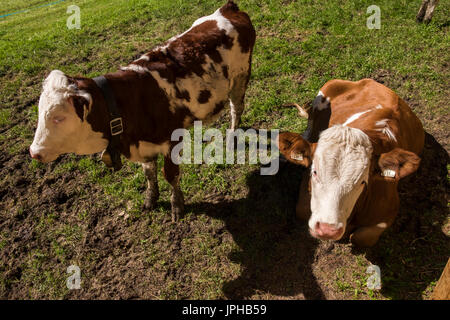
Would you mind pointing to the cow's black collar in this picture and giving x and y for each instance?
(111, 156)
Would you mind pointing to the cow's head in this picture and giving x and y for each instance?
(340, 164)
(62, 125)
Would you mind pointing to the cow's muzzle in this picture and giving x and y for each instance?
(327, 231)
(35, 155)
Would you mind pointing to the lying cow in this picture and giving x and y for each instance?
(134, 111)
(371, 141)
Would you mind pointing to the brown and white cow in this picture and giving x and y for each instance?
(193, 76)
(371, 141)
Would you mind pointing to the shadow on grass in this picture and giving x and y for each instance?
(276, 251)
(414, 251)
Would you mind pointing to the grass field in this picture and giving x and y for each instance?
(239, 237)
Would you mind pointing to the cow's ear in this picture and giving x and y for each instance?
(398, 163)
(295, 149)
(81, 105)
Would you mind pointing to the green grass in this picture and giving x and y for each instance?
(5, 115)
(300, 45)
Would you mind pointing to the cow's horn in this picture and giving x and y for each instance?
(302, 111)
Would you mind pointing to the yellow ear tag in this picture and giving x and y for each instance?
(388, 173)
(297, 156)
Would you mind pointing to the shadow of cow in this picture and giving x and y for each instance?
(415, 249)
(276, 251)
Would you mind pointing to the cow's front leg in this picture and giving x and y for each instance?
(152, 192)
(172, 174)
(367, 236)
(303, 208)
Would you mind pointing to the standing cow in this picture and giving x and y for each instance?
(370, 140)
(134, 111)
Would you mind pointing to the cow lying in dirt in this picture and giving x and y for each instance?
(134, 111)
(370, 140)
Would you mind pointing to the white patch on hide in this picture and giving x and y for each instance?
(135, 68)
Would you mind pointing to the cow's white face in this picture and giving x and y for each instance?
(339, 173)
(60, 128)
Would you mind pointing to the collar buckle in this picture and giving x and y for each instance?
(116, 126)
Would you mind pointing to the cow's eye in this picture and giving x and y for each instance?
(314, 173)
(363, 183)
(58, 119)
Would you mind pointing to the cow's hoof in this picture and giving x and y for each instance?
(151, 199)
(149, 205)
(177, 212)
(177, 203)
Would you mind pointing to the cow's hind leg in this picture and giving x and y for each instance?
(172, 174)
(237, 95)
(152, 192)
